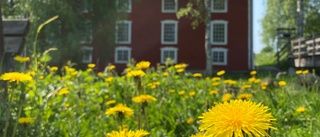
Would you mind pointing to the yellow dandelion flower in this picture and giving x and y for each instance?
(41, 77)
(246, 86)
(197, 75)
(63, 91)
(305, 72)
(263, 87)
(190, 120)
(298, 72)
(221, 72)
(192, 93)
(89, 69)
(180, 70)
(106, 96)
(257, 81)
(21, 59)
(110, 102)
(25, 120)
(264, 84)
(251, 80)
(236, 119)
(31, 73)
(111, 67)
(143, 65)
(165, 74)
(253, 72)
(244, 96)
(91, 65)
(136, 73)
(215, 84)
(126, 133)
(66, 105)
(226, 97)
(211, 92)
(99, 74)
(216, 79)
(181, 92)
(143, 98)
(108, 79)
(282, 83)
(120, 109)
(301, 109)
(200, 134)
(15, 77)
(171, 90)
(180, 66)
(54, 68)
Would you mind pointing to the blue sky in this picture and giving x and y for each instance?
(258, 13)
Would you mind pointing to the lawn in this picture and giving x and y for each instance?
(162, 101)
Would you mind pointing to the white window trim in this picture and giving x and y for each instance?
(85, 41)
(84, 60)
(219, 11)
(169, 11)
(176, 31)
(175, 59)
(129, 10)
(225, 56)
(225, 30)
(116, 54)
(129, 31)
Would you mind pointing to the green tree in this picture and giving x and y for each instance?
(283, 14)
(66, 33)
(199, 11)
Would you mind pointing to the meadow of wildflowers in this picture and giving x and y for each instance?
(154, 101)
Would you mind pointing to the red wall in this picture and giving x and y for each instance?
(146, 17)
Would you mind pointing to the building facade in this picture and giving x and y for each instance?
(153, 32)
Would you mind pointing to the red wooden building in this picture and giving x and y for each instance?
(152, 32)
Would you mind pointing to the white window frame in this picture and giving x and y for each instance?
(129, 31)
(217, 10)
(123, 48)
(163, 23)
(126, 10)
(225, 23)
(164, 49)
(163, 10)
(225, 58)
(84, 38)
(84, 59)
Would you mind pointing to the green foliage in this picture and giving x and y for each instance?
(66, 32)
(283, 14)
(267, 49)
(194, 10)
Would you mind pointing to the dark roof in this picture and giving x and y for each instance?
(14, 32)
(15, 27)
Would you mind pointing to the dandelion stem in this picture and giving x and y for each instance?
(8, 115)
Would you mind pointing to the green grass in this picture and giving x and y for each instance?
(84, 105)
(265, 59)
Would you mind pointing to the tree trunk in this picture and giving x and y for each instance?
(207, 38)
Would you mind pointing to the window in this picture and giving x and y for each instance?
(169, 32)
(124, 5)
(123, 32)
(122, 54)
(219, 29)
(82, 6)
(169, 52)
(169, 6)
(219, 6)
(86, 54)
(86, 32)
(219, 56)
